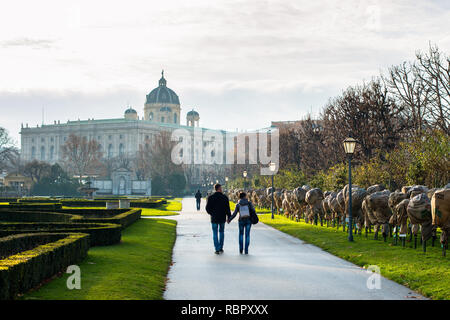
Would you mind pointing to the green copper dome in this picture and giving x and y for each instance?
(192, 113)
(162, 94)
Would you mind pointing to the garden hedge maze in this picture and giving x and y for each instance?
(41, 237)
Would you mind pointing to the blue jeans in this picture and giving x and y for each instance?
(218, 241)
(198, 204)
(244, 225)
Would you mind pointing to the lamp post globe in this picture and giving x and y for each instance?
(244, 174)
(349, 147)
(272, 167)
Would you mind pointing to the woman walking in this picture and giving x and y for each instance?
(245, 209)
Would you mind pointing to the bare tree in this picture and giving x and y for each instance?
(80, 154)
(406, 86)
(143, 160)
(434, 73)
(8, 152)
(422, 89)
(36, 170)
(366, 113)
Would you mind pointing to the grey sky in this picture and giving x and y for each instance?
(241, 64)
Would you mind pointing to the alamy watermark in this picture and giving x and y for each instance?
(208, 147)
(374, 280)
(74, 280)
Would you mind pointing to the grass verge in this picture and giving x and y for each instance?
(135, 269)
(425, 272)
(165, 209)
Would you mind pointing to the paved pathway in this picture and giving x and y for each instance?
(279, 266)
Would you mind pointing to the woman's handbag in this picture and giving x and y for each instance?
(254, 217)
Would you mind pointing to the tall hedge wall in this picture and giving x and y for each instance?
(25, 270)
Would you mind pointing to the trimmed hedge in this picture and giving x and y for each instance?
(83, 203)
(102, 234)
(14, 244)
(9, 215)
(41, 200)
(96, 212)
(33, 206)
(148, 204)
(102, 203)
(25, 270)
(124, 219)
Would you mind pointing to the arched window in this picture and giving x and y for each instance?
(52, 151)
(150, 116)
(110, 151)
(175, 118)
(33, 152)
(42, 153)
(121, 149)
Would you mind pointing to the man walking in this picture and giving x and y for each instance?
(218, 207)
(198, 198)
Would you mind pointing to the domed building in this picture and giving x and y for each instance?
(124, 137)
(131, 114)
(162, 104)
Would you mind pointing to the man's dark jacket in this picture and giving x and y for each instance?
(218, 207)
(198, 196)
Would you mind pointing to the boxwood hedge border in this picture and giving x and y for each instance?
(25, 270)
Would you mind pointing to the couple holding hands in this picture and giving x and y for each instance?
(218, 207)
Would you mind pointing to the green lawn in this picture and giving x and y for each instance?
(165, 209)
(426, 272)
(134, 269)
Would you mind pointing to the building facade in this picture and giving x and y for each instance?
(119, 136)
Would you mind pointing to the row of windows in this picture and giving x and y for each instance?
(52, 139)
(42, 154)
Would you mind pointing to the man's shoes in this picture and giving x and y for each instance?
(221, 250)
(246, 252)
(217, 252)
(240, 251)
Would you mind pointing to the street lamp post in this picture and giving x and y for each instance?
(272, 167)
(349, 146)
(226, 182)
(245, 178)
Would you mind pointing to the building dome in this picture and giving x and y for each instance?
(162, 94)
(192, 118)
(162, 104)
(130, 110)
(130, 113)
(193, 113)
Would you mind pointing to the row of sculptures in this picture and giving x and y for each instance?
(401, 212)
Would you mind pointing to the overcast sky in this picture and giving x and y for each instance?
(240, 64)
